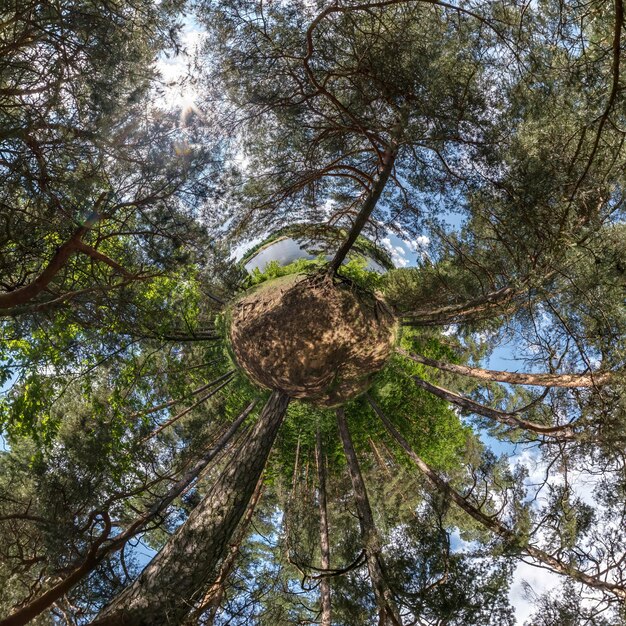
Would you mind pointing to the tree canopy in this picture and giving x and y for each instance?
(147, 477)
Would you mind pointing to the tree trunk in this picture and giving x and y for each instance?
(388, 159)
(169, 403)
(214, 595)
(561, 432)
(166, 590)
(515, 378)
(379, 459)
(500, 301)
(229, 378)
(320, 459)
(387, 611)
(100, 550)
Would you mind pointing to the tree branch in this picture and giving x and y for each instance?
(491, 523)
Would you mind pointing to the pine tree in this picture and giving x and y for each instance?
(137, 356)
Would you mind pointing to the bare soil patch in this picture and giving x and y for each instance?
(311, 338)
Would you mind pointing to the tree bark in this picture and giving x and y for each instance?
(388, 159)
(34, 288)
(320, 460)
(100, 550)
(562, 433)
(490, 522)
(387, 610)
(195, 392)
(214, 595)
(197, 403)
(166, 590)
(379, 458)
(472, 310)
(515, 378)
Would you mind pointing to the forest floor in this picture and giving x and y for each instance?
(311, 338)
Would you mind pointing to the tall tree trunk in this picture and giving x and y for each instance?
(100, 550)
(184, 412)
(388, 159)
(500, 301)
(168, 587)
(493, 524)
(515, 378)
(563, 432)
(215, 593)
(387, 610)
(320, 459)
(379, 459)
(195, 392)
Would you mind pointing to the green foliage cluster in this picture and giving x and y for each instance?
(275, 270)
(355, 270)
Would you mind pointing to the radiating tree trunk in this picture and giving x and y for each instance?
(388, 160)
(320, 459)
(215, 593)
(229, 378)
(515, 378)
(379, 459)
(101, 550)
(296, 469)
(387, 610)
(492, 523)
(561, 432)
(499, 301)
(167, 589)
(195, 392)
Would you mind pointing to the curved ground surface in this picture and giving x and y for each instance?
(311, 338)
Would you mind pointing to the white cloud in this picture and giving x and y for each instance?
(538, 579)
(402, 254)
